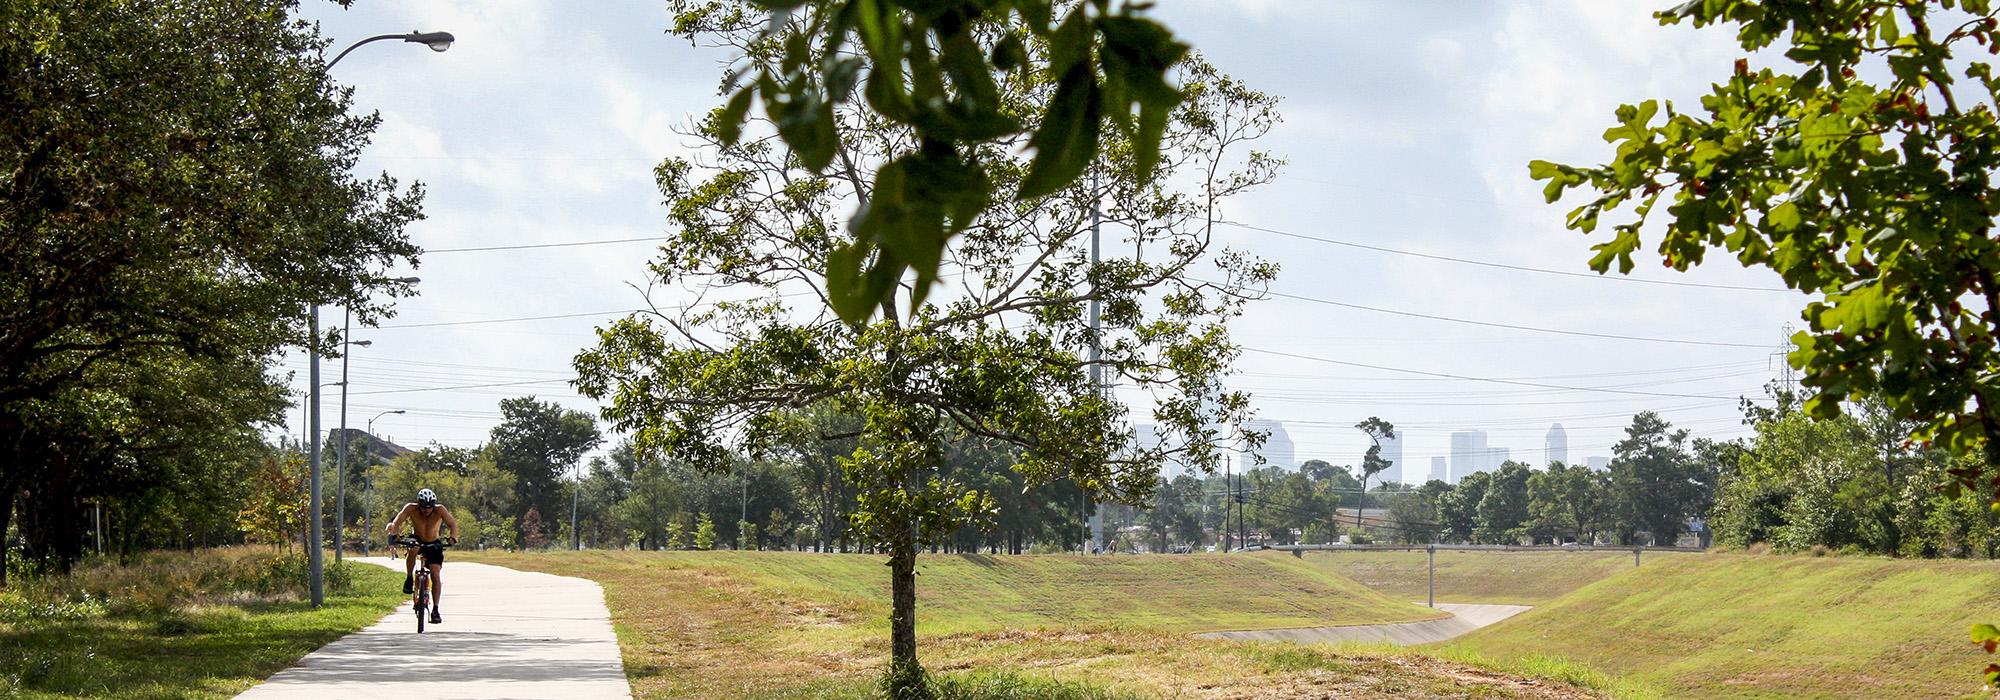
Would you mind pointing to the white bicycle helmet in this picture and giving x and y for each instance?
(426, 497)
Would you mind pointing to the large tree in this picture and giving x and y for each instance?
(1003, 353)
(1657, 482)
(538, 442)
(176, 194)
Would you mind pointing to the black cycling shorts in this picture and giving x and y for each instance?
(432, 555)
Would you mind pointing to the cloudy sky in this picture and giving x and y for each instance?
(1408, 127)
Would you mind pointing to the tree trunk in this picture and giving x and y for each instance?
(6, 519)
(905, 674)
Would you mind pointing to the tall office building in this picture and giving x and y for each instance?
(1468, 454)
(1438, 469)
(1496, 456)
(1392, 450)
(1277, 450)
(1555, 448)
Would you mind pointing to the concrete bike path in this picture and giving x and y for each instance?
(1465, 617)
(506, 634)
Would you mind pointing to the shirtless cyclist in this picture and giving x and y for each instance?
(425, 515)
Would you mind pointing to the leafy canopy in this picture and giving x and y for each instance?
(1860, 170)
(930, 68)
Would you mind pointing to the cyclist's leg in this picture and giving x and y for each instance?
(437, 582)
(409, 568)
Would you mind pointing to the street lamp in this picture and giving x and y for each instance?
(438, 41)
(367, 508)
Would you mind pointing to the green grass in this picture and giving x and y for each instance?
(1747, 626)
(795, 626)
(213, 645)
(1514, 578)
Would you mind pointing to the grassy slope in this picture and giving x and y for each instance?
(1735, 625)
(1516, 578)
(791, 625)
(213, 651)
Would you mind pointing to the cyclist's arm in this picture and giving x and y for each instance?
(397, 523)
(449, 522)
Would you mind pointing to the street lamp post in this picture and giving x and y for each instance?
(340, 448)
(437, 41)
(367, 509)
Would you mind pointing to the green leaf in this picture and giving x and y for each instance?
(844, 286)
(1070, 44)
(1983, 632)
(1784, 217)
(1066, 142)
(729, 125)
(1146, 148)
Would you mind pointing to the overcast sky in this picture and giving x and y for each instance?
(1408, 126)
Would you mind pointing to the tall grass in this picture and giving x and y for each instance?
(206, 623)
(156, 583)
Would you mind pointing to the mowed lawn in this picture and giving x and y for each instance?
(1513, 578)
(1743, 626)
(211, 650)
(802, 625)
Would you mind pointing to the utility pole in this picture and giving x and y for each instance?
(314, 558)
(1431, 556)
(1242, 500)
(1096, 346)
(340, 447)
(575, 537)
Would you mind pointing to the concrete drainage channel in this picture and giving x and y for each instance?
(1465, 617)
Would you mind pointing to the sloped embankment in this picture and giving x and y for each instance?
(1740, 625)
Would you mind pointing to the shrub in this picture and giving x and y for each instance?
(704, 533)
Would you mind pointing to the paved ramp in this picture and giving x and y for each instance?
(1465, 617)
(506, 634)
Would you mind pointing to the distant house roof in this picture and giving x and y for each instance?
(366, 444)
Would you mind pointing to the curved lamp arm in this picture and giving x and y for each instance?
(438, 41)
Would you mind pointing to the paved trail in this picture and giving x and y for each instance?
(506, 634)
(1465, 618)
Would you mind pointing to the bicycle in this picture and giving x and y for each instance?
(421, 597)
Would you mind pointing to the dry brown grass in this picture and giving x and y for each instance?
(689, 629)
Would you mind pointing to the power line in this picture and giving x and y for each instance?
(1487, 379)
(526, 246)
(1490, 324)
(1506, 266)
(435, 324)
(461, 386)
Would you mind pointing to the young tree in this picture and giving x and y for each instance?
(1006, 356)
(534, 535)
(677, 536)
(275, 510)
(704, 533)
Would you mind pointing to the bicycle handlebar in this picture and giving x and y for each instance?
(408, 541)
